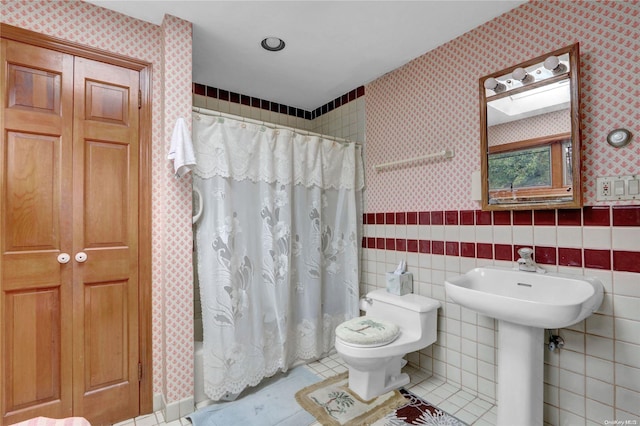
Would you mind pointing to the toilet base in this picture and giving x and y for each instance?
(370, 384)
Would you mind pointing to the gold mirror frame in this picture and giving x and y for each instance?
(539, 198)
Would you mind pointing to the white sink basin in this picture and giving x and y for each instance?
(550, 300)
(525, 303)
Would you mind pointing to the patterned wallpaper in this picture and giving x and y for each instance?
(176, 263)
(432, 102)
(168, 49)
(529, 128)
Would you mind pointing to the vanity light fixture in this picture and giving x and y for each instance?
(493, 84)
(553, 64)
(272, 44)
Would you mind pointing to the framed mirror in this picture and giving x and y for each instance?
(530, 134)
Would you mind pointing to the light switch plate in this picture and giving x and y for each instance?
(611, 188)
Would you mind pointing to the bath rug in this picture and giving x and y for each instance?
(418, 412)
(334, 404)
(271, 403)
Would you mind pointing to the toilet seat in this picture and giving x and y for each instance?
(367, 332)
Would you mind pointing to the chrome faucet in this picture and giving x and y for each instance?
(526, 262)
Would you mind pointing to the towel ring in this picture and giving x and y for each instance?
(196, 216)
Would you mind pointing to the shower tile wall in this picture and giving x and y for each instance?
(248, 111)
(347, 121)
(344, 117)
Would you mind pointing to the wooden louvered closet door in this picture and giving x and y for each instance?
(69, 237)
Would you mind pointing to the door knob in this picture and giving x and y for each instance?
(81, 256)
(64, 258)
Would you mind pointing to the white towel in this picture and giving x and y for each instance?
(181, 151)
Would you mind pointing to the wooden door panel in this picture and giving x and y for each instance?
(33, 89)
(32, 178)
(33, 337)
(101, 131)
(112, 264)
(106, 206)
(36, 292)
(31, 270)
(41, 124)
(106, 320)
(107, 102)
(105, 167)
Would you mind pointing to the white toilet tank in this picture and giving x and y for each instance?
(412, 313)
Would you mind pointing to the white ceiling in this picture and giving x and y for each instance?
(332, 47)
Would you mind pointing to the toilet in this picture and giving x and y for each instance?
(373, 346)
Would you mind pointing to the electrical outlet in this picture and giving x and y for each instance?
(618, 188)
(605, 188)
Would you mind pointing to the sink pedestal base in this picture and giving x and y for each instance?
(520, 374)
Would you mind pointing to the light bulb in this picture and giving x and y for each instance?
(493, 84)
(553, 64)
(272, 42)
(519, 74)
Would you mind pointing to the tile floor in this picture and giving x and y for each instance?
(465, 406)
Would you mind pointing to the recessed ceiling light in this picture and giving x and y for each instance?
(272, 44)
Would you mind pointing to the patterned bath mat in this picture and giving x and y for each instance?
(333, 404)
(418, 412)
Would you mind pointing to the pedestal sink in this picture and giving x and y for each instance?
(524, 303)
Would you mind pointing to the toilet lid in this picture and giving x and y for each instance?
(367, 331)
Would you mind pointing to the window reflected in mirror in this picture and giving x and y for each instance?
(533, 170)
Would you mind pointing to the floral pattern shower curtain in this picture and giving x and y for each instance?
(277, 247)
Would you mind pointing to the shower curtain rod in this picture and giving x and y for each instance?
(214, 113)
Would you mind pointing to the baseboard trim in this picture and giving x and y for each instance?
(158, 402)
(176, 409)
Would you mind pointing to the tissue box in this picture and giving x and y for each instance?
(400, 284)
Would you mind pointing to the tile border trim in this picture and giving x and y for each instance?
(605, 259)
(238, 98)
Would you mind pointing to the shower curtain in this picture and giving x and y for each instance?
(277, 247)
